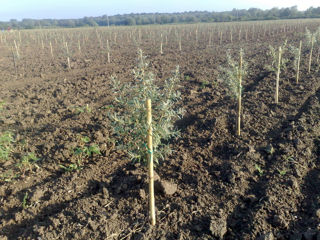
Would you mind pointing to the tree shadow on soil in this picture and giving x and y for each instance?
(26, 227)
(242, 219)
(311, 191)
(9, 214)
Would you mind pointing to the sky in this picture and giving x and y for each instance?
(59, 9)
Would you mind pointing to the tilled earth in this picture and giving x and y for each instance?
(264, 184)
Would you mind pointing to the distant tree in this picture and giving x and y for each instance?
(28, 23)
(284, 13)
(14, 23)
(130, 21)
(89, 21)
(173, 19)
(69, 23)
(164, 18)
(191, 19)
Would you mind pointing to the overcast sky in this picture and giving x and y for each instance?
(39, 9)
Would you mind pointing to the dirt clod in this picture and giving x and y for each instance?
(165, 187)
(267, 236)
(218, 227)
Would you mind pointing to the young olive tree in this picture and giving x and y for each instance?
(311, 40)
(144, 136)
(232, 75)
(273, 56)
(129, 119)
(296, 52)
(277, 62)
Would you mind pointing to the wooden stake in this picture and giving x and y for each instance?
(51, 49)
(196, 36)
(14, 62)
(239, 94)
(150, 163)
(67, 48)
(108, 53)
(310, 57)
(68, 59)
(278, 76)
(16, 47)
(298, 63)
(79, 46)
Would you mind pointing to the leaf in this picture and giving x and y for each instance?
(85, 139)
(94, 149)
(129, 124)
(78, 151)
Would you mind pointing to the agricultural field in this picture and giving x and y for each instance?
(65, 175)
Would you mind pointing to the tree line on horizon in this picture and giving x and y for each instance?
(250, 14)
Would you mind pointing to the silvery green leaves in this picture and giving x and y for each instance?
(6, 140)
(273, 55)
(128, 117)
(294, 51)
(311, 37)
(272, 67)
(229, 74)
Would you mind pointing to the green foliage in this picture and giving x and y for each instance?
(6, 140)
(273, 55)
(269, 149)
(229, 74)
(295, 53)
(282, 172)
(25, 201)
(129, 119)
(204, 83)
(187, 78)
(85, 139)
(85, 148)
(311, 36)
(167, 18)
(82, 109)
(28, 161)
(8, 176)
(71, 167)
(260, 171)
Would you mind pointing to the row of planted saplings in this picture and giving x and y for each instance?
(233, 73)
(178, 35)
(16, 48)
(235, 70)
(145, 133)
(134, 121)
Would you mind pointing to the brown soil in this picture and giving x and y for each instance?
(220, 194)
